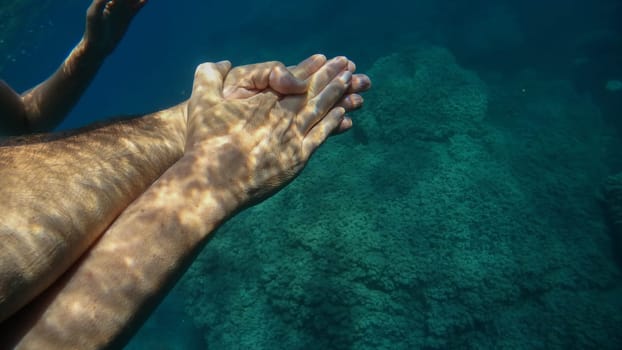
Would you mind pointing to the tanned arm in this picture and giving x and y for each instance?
(237, 153)
(60, 192)
(46, 105)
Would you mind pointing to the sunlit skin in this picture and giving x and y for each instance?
(243, 134)
(151, 148)
(44, 106)
(61, 192)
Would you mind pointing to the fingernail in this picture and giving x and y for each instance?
(351, 66)
(345, 77)
(318, 57)
(346, 122)
(356, 99)
(341, 60)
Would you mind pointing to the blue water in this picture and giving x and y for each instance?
(465, 210)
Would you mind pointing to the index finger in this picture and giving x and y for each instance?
(308, 67)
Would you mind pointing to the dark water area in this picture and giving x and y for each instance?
(476, 204)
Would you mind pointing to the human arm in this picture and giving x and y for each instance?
(46, 181)
(44, 106)
(237, 153)
(60, 192)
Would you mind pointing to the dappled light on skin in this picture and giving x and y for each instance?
(232, 153)
(96, 177)
(237, 153)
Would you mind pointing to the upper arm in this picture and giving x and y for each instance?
(12, 112)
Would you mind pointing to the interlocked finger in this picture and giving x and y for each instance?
(360, 83)
(351, 102)
(326, 74)
(308, 67)
(322, 130)
(318, 106)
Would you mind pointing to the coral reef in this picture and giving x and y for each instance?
(443, 98)
(612, 191)
(461, 216)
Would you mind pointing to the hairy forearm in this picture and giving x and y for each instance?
(59, 195)
(48, 103)
(148, 247)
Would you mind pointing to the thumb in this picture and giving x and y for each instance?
(247, 81)
(208, 82)
(284, 82)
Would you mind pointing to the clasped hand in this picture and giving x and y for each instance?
(247, 132)
(255, 127)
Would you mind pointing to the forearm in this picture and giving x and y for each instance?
(147, 248)
(48, 103)
(60, 195)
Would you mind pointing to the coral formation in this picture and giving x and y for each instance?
(612, 191)
(443, 98)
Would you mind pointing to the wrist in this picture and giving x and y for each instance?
(172, 124)
(217, 170)
(85, 55)
(186, 198)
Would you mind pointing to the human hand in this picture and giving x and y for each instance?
(246, 81)
(107, 21)
(268, 137)
(251, 147)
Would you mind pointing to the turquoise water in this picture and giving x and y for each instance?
(465, 210)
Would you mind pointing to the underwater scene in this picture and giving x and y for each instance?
(475, 204)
